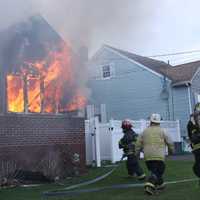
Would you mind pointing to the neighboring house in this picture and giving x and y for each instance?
(133, 86)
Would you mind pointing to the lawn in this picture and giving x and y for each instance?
(176, 170)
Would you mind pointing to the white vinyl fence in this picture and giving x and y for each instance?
(102, 138)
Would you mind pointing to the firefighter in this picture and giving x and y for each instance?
(193, 128)
(153, 142)
(127, 143)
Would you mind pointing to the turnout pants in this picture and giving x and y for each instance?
(157, 169)
(196, 166)
(133, 166)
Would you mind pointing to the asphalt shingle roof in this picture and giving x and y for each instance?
(183, 72)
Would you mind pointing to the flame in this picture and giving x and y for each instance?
(47, 81)
(78, 102)
(15, 93)
(33, 90)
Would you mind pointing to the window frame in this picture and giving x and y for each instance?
(110, 71)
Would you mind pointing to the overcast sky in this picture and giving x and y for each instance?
(145, 27)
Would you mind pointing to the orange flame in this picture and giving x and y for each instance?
(77, 103)
(33, 89)
(15, 93)
(47, 81)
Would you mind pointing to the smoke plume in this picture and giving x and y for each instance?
(76, 21)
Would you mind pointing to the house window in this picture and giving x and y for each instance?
(106, 71)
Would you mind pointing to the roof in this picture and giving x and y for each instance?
(178, 74)
(184, 72)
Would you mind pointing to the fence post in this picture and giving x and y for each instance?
(90, 111)
(97, 142)
(92, 132)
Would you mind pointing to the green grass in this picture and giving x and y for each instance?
(176, 170)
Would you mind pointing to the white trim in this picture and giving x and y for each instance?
(189, 99)
(133, 61)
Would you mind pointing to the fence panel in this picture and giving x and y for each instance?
(110, 134)
(89, 141)
(105, 141)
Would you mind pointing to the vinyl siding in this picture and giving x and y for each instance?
(133, 92)
(181, 107)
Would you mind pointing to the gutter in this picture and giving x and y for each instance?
(182, 83)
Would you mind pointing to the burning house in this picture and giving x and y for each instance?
(38, 80)
(39, 70)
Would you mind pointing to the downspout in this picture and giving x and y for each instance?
(172, 93)
(165, 96)
(189, 98)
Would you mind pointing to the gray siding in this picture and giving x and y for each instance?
(133, 92)
(181, 107)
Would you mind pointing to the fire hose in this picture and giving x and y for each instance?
(67, 190)
(70, 193)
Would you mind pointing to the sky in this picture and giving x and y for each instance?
(144, 27)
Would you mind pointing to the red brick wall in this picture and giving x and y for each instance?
(29, 139)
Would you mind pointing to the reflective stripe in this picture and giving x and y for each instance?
(195, 146)
(149, 184)
(130, 153)
(155, 158)
(194, 130)
(149, 190)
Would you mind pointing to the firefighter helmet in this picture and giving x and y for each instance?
(155, 118)
(126, 124)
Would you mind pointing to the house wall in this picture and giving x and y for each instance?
(133, 92)
(181, 106)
